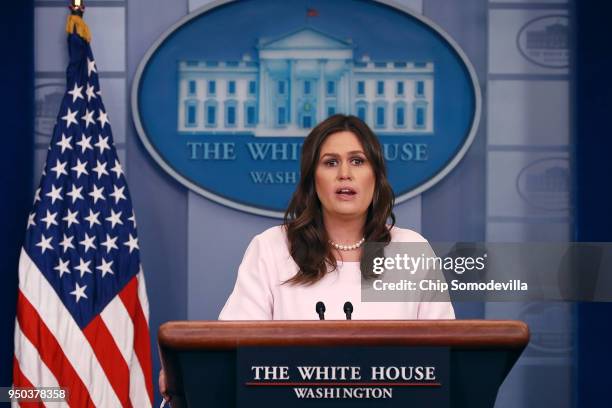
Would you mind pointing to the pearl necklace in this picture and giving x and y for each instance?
(347, 247)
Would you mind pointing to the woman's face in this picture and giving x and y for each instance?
(344, 178)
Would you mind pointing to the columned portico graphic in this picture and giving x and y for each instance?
(299, 79)
(241, 105)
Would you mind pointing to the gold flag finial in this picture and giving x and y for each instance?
(76, 22)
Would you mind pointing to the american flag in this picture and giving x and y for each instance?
(82, 312)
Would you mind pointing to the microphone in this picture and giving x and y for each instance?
(320, 308)
(348, 310)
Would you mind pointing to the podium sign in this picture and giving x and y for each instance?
(343, 376)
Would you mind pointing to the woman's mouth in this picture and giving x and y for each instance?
(345, 193)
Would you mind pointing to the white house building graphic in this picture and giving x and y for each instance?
(299, 79)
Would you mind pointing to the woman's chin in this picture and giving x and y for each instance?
(347, 209)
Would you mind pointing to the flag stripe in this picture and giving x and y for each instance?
(30, 369)
(62, 326)
(139, 397)
(110, 358)
(142, 295)
(20, 380)
(38, 373)
(121, 328)
(119, 324)
(50, 353)
(129, 296)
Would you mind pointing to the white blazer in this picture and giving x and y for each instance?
(259, 293)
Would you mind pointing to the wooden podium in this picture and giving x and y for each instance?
(199, 357)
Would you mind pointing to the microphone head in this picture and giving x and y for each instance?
(348, 307)
(320, 307)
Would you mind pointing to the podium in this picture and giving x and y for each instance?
(199, 357)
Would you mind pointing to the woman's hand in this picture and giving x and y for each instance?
(163, 385)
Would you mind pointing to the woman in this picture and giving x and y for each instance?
(343, 199)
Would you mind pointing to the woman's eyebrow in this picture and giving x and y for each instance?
(338, 155)
(330, 154)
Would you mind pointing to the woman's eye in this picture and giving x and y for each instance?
(357, 161)
(331, 162)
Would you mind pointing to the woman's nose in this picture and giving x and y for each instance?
(344, 171)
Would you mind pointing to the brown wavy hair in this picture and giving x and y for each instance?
(308, 240)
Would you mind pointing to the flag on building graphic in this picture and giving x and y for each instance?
(311, 12)
(82, 312)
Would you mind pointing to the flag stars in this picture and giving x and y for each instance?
(88, 242)
(62, 267)
(91, 67)
(117, 194)
(133, 218)
(70, 118)
(85, 143)
(88, 118)
(102, 118)
(45, 243)
(90, 92)
(79, 292)
(83, 267)
(75, 193)
(92, 218)
(31, 222)
(100, 169)
(49, 219)
(67, 243)
(71, 217)
(37, 195)
(68, 240)
(59, 169)
(117, 169)
(102, 144)
(55, 194)
(132, 243)
(96, 194)
(65, 143)
(76, 93)
(114, 219)
(80, 168)
(109, 243)
(57, 228)
(105, 267)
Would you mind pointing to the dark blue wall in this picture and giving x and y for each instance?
(16, 125)
(593, 96)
